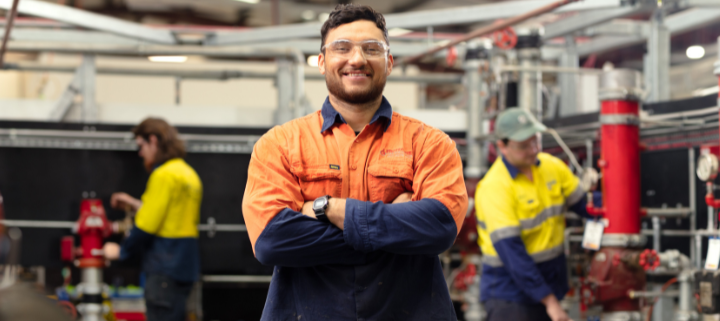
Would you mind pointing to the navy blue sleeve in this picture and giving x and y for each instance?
(579, 207)
(420, 227)
(295, 240)
(522, 268)
(135, 243)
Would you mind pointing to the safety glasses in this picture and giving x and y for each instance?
(345, 48)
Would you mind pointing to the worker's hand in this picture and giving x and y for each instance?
(402, 198)
(307, 209)
(123, 201)
(554, 310)
(111, 251)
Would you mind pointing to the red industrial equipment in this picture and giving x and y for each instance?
(710, 164)
(619, 266)
(92, 228)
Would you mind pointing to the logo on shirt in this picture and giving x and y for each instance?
(550, 184)
(395, 153)
(335, 167)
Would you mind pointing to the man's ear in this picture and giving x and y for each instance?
(390, 64)
(321, 63)
(153, 140)
(500, 146)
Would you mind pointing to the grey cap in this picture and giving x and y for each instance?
(517, 124)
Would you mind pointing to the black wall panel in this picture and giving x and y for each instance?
(48, 184)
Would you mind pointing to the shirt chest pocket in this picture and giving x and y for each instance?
(388, 180)
(318, 180)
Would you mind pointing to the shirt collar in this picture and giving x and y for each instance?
(514, 171)
(331, 116)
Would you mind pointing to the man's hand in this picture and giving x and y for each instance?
(123, 201)
(111, 251)
(307, 209)
(554, 310)
(402, 198)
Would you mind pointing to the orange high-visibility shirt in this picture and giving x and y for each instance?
(298, 162)
(384, 264)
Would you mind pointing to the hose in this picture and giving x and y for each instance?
(567, 150)
(664, 287)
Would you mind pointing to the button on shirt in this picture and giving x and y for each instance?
(384, 265)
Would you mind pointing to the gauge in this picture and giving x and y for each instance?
(707, 167)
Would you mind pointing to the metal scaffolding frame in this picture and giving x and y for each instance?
(91, 20)
(282, 44)
(453, 16)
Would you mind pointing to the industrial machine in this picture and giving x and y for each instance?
(92, 228)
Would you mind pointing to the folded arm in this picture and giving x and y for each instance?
(279, 233)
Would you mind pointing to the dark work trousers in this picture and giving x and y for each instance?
(501, 310)
(165, 298)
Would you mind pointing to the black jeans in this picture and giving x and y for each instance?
(501, 310)
(165, 298)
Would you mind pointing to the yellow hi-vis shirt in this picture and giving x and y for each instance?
(166, 225)
(508, 205)
(521, 229)
(171, 202)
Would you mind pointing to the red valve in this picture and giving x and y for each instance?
(505, 38)
(465, 277)
(451, 56)
(649, 260)
(587, 295)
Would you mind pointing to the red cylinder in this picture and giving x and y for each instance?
(620, 165)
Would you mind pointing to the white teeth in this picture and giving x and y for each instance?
(356, 75)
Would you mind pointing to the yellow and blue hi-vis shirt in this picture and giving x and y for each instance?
(166, 225)
(521, 226)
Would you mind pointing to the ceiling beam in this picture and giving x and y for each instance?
(683, 21)
(417, 19)
(91, 20)
(586, 19)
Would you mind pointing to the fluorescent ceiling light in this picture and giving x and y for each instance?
(695, 52)
(706, 91)
(313, 61)
(168, 58)
(397, 32)
(249, 1)
(308, 15)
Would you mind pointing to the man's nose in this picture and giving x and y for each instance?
(357, 58)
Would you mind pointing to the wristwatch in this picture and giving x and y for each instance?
(320, 205)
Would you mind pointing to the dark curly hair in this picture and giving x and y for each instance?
(347, 13)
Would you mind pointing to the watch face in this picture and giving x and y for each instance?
(319, 203)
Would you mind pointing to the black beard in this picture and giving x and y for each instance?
(337, 89)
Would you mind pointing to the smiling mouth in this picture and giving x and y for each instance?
(356, 74)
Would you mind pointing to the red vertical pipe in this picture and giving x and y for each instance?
(620, 166)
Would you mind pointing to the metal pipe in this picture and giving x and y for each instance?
(223, 74)
(488, 29)
(710, 210)
(550, 69)
(656, 233)
(72, 224)
(8, 27)
(686, 311)
(652, 294)
(620, 132)
(589, 151)
(237, 278)
(668, 212)
(693, 220)
(159, 50)
(476, 104)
